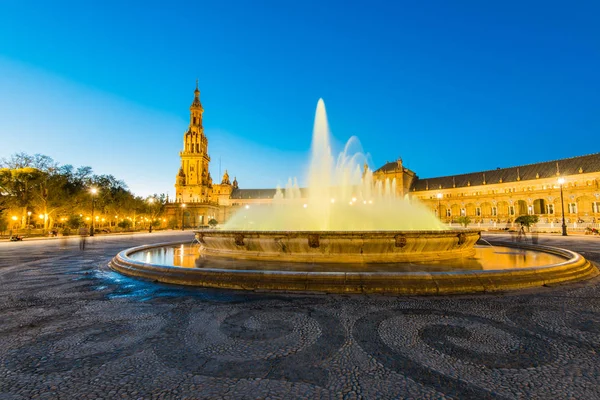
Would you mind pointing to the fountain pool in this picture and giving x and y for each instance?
(490, 269)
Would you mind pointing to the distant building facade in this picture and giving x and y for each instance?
(499, 196)
(489, 198)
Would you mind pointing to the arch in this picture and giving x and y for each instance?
(470, 208)
(486, 209)
(442, 212)
(187, 220)
(502, 208)
(584, 204)
(521, 207)
(455, 210)
(539, 206)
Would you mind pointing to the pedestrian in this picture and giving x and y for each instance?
(534, 237)
(83, 233)
(521, 235)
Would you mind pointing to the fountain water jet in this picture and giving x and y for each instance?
(343, 217)
(341, 197)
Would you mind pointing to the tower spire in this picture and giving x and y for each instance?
(196, 102)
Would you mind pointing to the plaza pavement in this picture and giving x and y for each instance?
(71, 328)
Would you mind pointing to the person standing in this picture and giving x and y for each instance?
(83, 233)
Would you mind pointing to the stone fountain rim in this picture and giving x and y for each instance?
(223, 232)
(574, 268)
(569, 255)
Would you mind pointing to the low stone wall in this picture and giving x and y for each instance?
(339, 247)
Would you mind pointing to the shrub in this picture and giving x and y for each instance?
(527, 220)
(74, 221)
(125, 224)
(464, 220)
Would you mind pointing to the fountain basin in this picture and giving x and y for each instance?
(396, 278)
(339, 246)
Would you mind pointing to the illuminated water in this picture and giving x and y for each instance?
(341, 196)
(486, 258)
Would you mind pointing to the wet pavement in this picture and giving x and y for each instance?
(72, 328)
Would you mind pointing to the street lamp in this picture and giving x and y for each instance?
(561, 181)
(28, 218)
(14, 224)
(439, 197)
(151, 201)
(182, 208)
(93, 192)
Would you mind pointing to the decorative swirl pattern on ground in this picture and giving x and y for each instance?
(71, 328)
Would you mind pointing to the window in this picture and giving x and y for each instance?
(550, 208)
(478, 211)
(572, 208)
(448, 212)
(595, 207)
(463, 212)
(494, 211)
(511, 210)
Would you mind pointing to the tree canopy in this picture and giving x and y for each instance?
(37, 188)
(527, 220)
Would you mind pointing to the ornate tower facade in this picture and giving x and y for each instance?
(193, 182)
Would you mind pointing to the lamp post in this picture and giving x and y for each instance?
(28, 218)
(93, 192)
(151, 201)
(14, 224)
(439, 197)
(561, 181)
(182, 208)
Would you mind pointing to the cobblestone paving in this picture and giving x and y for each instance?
(71, 328)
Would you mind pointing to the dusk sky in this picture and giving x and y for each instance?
(451, 87)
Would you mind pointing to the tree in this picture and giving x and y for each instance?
(213, 222)
(19, 187)
(3, 224)
(463, 220)
(36, 183)
(125, 224)
(154, 208)
(527, 220)
(74, 221)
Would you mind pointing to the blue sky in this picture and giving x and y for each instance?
(451, 87)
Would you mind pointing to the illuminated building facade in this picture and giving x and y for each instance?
(491, 199)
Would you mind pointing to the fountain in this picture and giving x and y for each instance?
(346, 217)
(348, 235)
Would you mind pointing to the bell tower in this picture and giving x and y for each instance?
(193, 182)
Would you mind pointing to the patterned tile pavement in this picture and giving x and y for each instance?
(71, 328)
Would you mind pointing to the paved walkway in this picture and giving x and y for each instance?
(71, 328)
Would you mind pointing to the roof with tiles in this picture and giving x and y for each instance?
(547, 169)
(246, 194)
(387, 167)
